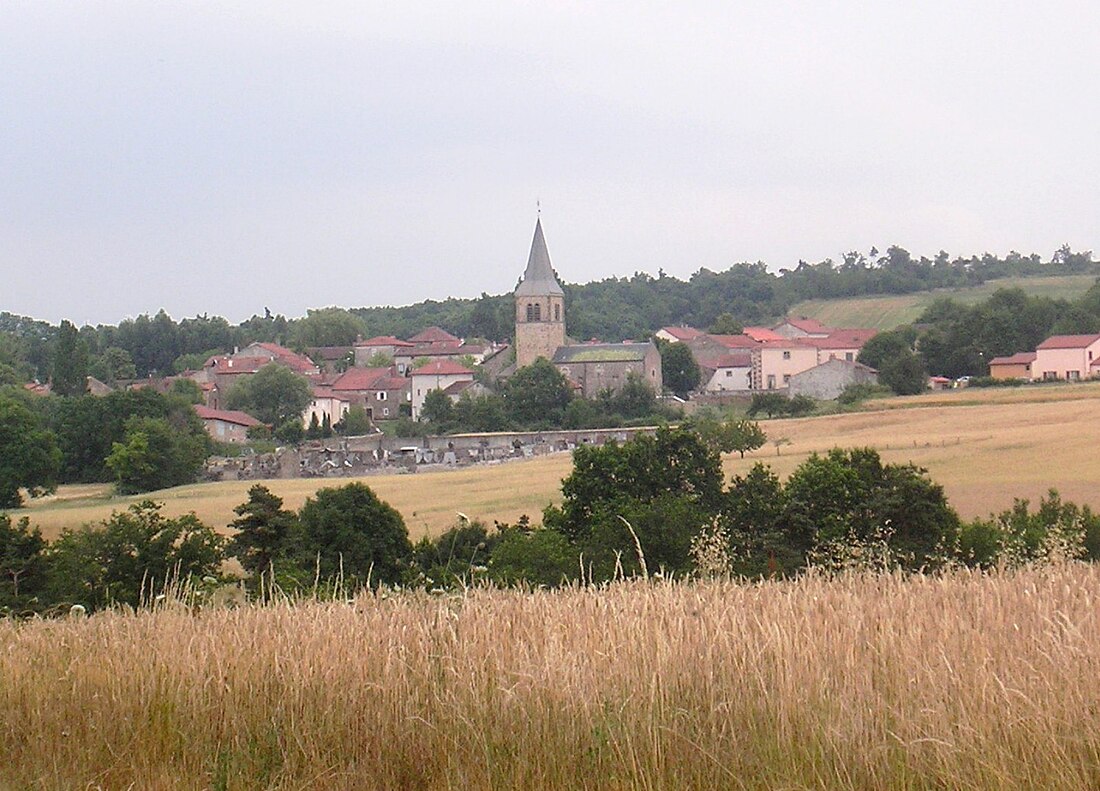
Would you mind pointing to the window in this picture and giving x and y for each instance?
(786, 355)
(386, 411)
(530, 312)
(848, 356)
(771, 381)
(786, 379)
(729, 373)
(1073, 376)
(557, 317)
(538, 312)
(381, 395)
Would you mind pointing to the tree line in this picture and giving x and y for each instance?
(656, 505)
(610, 309)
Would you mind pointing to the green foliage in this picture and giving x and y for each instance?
(274, 394)
(263, 530)
(349, 531)
(437, 409)
(852, 498)
(326, 327)
(156, 455)
(534, 557)
(726, 324)
(770, 403)
(537, 395)
(481, 413)
(857, 393)
(355, 423)
(70, 362)
(754, 516)
(29, 457)
(726, 436)
(899, 367)
(131, 557)
(113, 365)
(22, 564)
(1056, 531)
(457, 557)
(672, 462)
(379, 360)
(187, 390)
(679, 370)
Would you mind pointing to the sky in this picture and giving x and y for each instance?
(226, 157)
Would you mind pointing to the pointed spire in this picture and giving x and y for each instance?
(539, 279)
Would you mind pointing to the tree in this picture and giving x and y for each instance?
(349, 530)
(678, 368)
(29, 457)
(70, 362)
(326, 327)
(114, 364)
(155, 455)
(22, 565)
(537, 394)
(131, 557)
(899, 367)
(263, 530)
(673, 461)
(379, 360)
(771, 404)
(438, 408)
(743, 435)
(274, 394)
(635, 398)
(726, 324)
(355, 423)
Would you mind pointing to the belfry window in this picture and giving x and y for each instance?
(530, 312)
(557, 313)
(538, 312)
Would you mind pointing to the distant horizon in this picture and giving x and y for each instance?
(234, 320)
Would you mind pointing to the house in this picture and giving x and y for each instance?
(1016, 366)
(436, 375)
(827, 380)
(599, 367)
(274, 353)
(380, 391)
(939, 383)
(775, 362)
(762, 334)
(325, 405)
(843, 344)
(434, 336)
(226, 425)
(677, 334)
(408, 357)
(730, 373)
(225, 370)
(1068, 357)
(332, 358)
(385, 345)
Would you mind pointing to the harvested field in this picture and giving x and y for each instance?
(985, 446)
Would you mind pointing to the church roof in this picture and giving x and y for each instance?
(539, 279)
(601, 352)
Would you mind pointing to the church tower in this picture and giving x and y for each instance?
(540, 306)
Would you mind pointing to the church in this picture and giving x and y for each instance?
(540, 332)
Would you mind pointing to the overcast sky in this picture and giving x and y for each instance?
(225, 157)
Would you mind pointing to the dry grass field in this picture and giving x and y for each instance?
(961, 682)
(887, 312)
(985, 446)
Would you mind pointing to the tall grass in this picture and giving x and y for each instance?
(863, 682)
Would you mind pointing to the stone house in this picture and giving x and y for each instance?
(828, 380)
(597, 367)
(436, 375)
(381, 344)
(226, 425)
(730, 373)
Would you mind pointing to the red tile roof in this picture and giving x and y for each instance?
(435, 335)
(383, 340)
(359, 379)
(1068, 341)
(227, 416)
(842, 339)
(442, 368)
(762, 334)
(1019, 358)
(806, 325)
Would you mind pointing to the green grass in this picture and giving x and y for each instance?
(887, 312)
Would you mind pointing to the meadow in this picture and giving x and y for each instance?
(887, 312)
(985, 446)
(965, 681)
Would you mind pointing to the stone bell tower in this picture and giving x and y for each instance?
(540, 306)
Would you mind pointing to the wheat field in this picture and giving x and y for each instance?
(864, 682)
(985, 446)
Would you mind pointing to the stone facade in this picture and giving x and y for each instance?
(828, 380)
(540, 307)
(607, 366)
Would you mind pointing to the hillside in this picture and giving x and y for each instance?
(885, 312)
